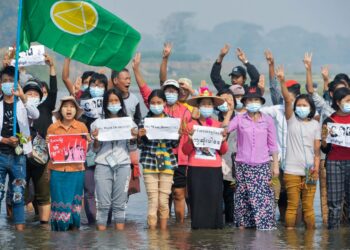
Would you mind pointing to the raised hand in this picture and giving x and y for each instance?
(77, 85)
(136, 61)
(241, 55)
(307, 60)
(261, 83)
(280, 73)
(225, 50)
(48, 60)
(269, 57)
(19, 93)
(325, 72)
(167, 49)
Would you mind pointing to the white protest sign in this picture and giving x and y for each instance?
(115, 129)
(162, 128)
(339, 134)
(207, 137)
(33, 56)
(92, 107)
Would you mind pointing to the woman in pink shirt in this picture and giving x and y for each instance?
(256, 142)
(204, 173)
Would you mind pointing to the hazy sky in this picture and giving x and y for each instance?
(326, 17)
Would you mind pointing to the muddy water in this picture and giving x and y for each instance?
(137, 236)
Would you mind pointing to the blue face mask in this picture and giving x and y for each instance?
(223, 107)
(302, 112)
(206, 112)
(33, 101)
(346, 108)
(253, 107)
(84, 87)
(156, 109)
(96, 92)
(7, 88)
(171, 98)
(114, 108)
(239, 104)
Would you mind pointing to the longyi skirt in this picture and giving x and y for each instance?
(205, 195)
(66, 196)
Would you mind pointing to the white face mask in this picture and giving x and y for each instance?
(33, 101)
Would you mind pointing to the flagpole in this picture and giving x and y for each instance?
(19, 23)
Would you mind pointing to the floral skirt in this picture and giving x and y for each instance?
(254, 200)
(66, 196)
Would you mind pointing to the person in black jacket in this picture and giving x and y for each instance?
(37, 171)
(238, 74)
(48, 102)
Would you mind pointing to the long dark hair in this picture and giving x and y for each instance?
(155, 93)
(309, 100)
(107, 113)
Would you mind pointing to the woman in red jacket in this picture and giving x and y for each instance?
(204, 173)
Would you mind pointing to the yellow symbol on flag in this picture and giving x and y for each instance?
(74, 17)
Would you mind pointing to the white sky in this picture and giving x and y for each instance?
(321, 16)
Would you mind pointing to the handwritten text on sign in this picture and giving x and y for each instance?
(33, 56)
(68, 148)
(162, 128)
(207, 137)
(115, 129)
(338, 134)
(92, 107)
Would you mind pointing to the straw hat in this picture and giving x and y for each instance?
(57, 113)
(204, 92)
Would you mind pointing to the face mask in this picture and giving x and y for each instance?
(43, 99)
(239, 104)
(346, 108)
(253, 107)
(171, 98)
(96, 92)
(33, 101)
(7, 88)
(223, 107)
(302, 112)
(114, 108)
(84, 87)
(206, 112)
(156, 109)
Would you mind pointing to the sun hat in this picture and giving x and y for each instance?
(204, 92)
(57, 112)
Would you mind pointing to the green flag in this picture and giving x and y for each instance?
(81, 30)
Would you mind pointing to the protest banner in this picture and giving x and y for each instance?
(33, 56)
(115, 129)
(338, 134)
(68, 148)
(92, 107)
(207, 137)
(162, 128)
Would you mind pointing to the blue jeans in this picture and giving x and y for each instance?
(15, 167)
